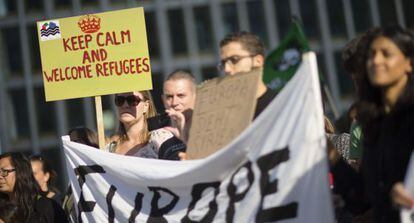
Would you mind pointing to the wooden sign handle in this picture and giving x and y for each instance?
(99, 121)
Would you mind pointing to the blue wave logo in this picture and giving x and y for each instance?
(49, 29)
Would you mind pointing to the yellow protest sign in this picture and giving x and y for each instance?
(97, 54)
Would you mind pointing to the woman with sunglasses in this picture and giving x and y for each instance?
(18, 185)
(133, 137)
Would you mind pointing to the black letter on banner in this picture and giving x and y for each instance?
(109, 196)
(156, 214)
(196, 195)
(81, 171)
(137, 207)
(266, 163)
(232, 189)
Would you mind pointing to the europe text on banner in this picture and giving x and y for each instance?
(275, 170)
(282, 63)
(95, 54)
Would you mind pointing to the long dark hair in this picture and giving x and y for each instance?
(25, 189)
(371, 106)
(84, 135)
(10, 212)
(46, 168)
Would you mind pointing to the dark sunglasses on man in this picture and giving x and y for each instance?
(132, 100)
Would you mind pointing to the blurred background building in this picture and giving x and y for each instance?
(181, 34)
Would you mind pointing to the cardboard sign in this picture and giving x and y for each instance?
(224, 108)
(93, 55)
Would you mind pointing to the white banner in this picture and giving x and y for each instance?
(276, 170)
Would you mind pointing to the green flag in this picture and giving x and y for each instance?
(282, 63)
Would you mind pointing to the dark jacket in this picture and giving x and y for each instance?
(47, 211)
(263, 101)
(388, 143)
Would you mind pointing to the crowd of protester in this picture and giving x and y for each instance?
(368, 156)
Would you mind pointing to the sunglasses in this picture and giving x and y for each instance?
(132, 100)
(233, 61)
(5, 172)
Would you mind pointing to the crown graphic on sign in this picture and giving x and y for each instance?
(89, 23)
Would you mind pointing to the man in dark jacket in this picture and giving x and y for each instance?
(243, 52)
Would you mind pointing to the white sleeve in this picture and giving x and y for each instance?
(158, 137)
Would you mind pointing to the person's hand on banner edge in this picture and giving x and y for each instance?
(400, 196)
(333, 155)
(183, 156)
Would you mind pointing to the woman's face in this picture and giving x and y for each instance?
(131, 107)
(387, 65)
(7, 176)
(41, 177)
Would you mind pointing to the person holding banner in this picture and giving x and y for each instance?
(179, 93)
(244, 52)
(133, 137)
(86, 136)
(386, 113)
(18, 185)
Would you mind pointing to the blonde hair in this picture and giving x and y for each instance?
(151, 112)
(329, 127)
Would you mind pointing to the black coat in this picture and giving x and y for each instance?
(388, 143)
(47, 211)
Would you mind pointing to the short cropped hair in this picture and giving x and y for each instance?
(182, 75)
(249, 42)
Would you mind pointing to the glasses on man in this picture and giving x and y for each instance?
(233, 61)
(5, 172)
(132, 100)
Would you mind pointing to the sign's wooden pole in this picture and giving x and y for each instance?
(99, 121)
